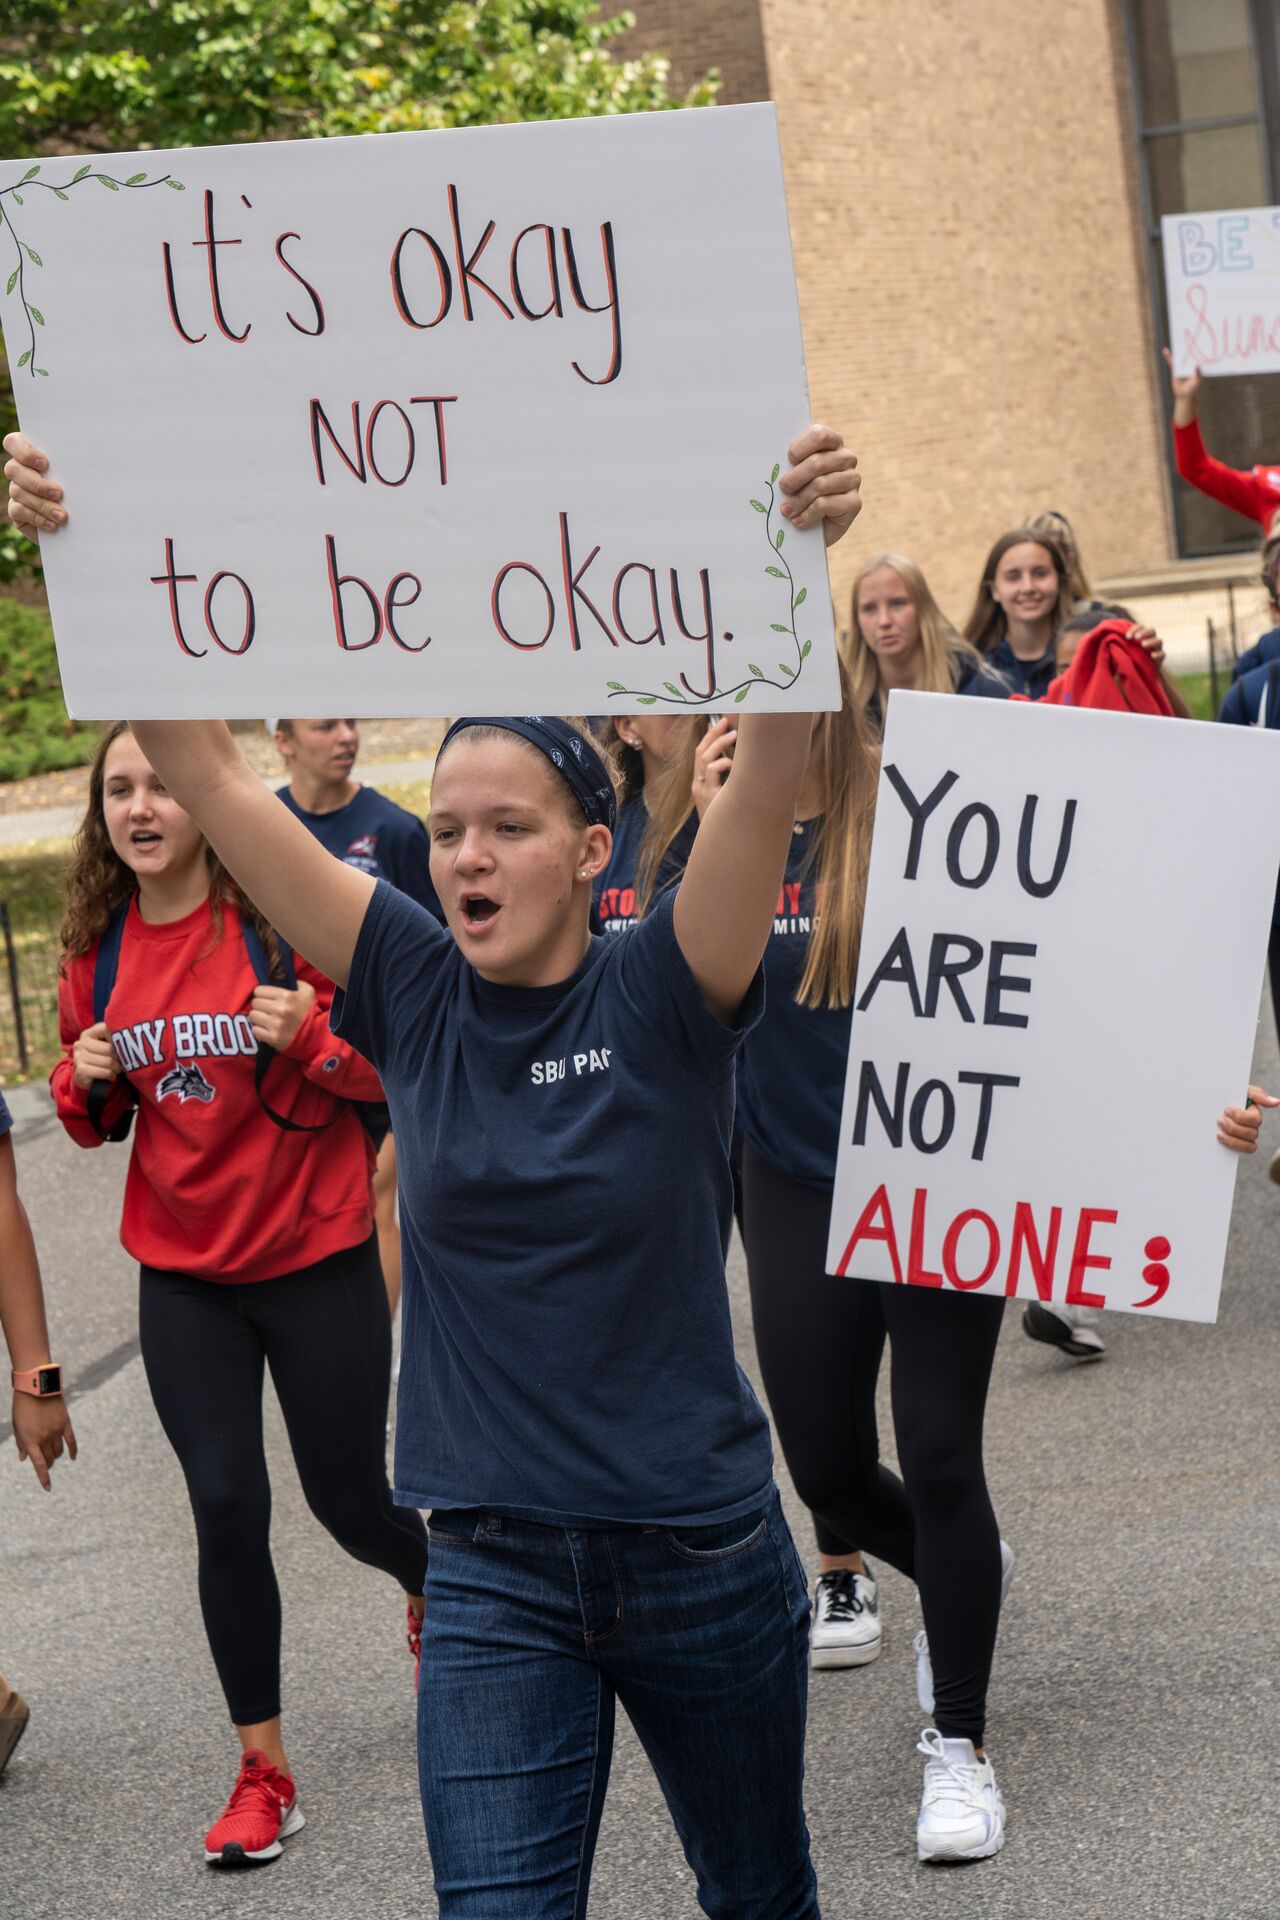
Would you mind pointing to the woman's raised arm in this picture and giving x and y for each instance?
(315, 901)
(726, 903)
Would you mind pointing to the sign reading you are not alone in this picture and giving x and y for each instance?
(422, 422)
(1057, 995)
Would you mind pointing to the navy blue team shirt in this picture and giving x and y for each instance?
(1260, 654)
(382, 839)
(1032, 677)
(614, 895)
(565, 1204)
(792, 1071)
(6, 1118)
(1253, 700)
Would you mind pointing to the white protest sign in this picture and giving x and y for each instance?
(422, 423)
(1222, 277)
(1057, 994)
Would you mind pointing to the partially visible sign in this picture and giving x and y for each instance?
(422, 423)
(1222, 276)
(1057, 995)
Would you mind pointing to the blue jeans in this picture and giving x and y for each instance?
(532, 1634)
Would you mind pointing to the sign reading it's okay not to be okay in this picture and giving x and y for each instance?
(422, 423)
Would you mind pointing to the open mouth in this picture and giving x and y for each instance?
(143, 840)
(478, 911)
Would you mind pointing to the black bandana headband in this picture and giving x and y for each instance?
(574, 759)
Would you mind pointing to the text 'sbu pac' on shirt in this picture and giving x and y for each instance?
(382, 839)
(565, 1204)
(792, 1071)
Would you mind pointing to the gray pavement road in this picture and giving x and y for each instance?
(1134, 1714)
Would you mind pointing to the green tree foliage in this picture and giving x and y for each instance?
(108, 76)
(78, 76)
(35, 733)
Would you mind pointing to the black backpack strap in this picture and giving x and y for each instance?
(105, 967)
(262, 968)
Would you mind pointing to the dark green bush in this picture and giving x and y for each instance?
(35, 733)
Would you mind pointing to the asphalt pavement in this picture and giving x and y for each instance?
(1133, 1718)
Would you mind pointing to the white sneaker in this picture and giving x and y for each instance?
(961, 1812)
(1071, 1329)
(846, 1620)
(924, 1665)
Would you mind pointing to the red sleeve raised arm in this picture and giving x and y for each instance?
(1228, 485)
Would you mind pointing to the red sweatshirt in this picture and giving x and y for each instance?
(1255, 494)
(1113, 671)
(215, 1188)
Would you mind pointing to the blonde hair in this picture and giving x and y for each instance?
(1060, 530)
(850, 771)
(944, 654)
(668, 798)
(986, 626)
(98, 880)
(849, 758)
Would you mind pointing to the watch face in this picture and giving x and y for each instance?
(49, 1379)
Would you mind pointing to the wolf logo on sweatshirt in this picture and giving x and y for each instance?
(187, 1082)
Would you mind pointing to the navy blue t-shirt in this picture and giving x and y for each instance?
(565, 1205)
(374, 834)
(974, 681)
(1031, 677)
(614, 897)
(1260, 654)
(1254, 701)
(6, 1118)
(792, 1071)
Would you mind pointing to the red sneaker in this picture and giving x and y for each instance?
(262, 1811)
(413, 1627)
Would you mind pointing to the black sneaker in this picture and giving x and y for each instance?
(1071, 1329)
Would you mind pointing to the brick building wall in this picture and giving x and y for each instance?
(963, 208)
(697, 35)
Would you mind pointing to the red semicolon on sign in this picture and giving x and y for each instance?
(1156, 1274)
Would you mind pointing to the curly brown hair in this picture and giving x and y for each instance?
(98, 880)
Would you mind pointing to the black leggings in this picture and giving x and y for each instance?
(820, 1340)
(326, 1334)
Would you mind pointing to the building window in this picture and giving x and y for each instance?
(1207, 104)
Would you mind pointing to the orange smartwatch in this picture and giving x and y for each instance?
(43, 1382)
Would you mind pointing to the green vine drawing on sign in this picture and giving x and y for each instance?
(779, 568)
(27, 256)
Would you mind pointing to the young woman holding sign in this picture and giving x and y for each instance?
(249, 1207)
(820, 1339)
(604, 1523)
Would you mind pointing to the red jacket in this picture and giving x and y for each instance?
(1255, 494)
(214, 1187)
(1113, 671)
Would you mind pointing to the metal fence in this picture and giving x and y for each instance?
(28, 990)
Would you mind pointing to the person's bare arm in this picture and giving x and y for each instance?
(315, 901)
(726, 902)
(41, 1428)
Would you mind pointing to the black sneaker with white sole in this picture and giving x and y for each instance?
(1071, 1329)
